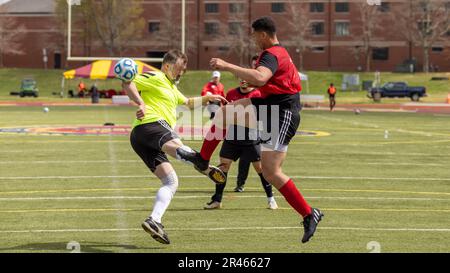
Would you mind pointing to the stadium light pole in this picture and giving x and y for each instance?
(183, 26)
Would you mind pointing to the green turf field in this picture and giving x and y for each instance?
(94, 189)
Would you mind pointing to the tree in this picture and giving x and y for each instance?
(239, 36)
(169, 33)
(371, 21)
(298, 21)
(116, 23)
(425, 22)
(11, 34)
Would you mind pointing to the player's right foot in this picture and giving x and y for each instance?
(213, 205)
(239, 187)
(202, 165)
(156, 230)
(310, 223)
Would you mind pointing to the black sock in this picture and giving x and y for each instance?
(266, 185)
(244, 168)
(219, 191)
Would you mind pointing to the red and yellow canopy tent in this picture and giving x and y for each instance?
(100, 70)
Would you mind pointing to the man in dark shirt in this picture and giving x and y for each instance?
(245, 148)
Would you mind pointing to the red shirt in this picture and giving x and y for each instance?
(213, 89)
(236, 94)
(286, 79)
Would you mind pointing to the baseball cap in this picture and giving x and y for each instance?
(216, 74)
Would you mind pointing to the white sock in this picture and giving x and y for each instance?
(164, 196)
(270, 199)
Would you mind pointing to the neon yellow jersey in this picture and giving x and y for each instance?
(161, 98)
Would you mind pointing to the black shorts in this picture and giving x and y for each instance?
(250, 153)
(147, 140)
(279, 116)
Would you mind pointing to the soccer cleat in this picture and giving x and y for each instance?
(156, 230)
(213, 205)
(215, 174)
(239, 189)
(194, 158)
(310, 223)
(272, 204)
(202, 165)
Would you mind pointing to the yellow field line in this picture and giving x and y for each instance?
(208, 188)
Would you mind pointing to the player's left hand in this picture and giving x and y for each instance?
(217, 63)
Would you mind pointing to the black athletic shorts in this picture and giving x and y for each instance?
(250, 153)
(147, 140)
(286, 118)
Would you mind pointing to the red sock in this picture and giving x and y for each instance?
(212, 140)
(295, 198)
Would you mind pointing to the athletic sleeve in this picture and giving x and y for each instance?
(144, 82)
(181, 99)
(270, 61)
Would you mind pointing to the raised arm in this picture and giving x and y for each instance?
(197, 101)
(256, 77)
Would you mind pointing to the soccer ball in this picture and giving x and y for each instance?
(46, 109)
(126, 69)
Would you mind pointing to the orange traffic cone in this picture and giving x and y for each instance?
(448, 98)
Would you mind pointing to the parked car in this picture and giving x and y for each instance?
(397, 90)
(29, 88)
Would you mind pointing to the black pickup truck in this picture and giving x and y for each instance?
(397, 90)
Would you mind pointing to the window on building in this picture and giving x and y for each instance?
(223, 49)
(278, 7)
(437, 49)
(380, 54)
(212, 8)
(318, 49)
(234, 28)
(316, 7)
(155, 54)
(153, 27)
(384, 7)
(317, 28)
(211, 28)
(236, 7)
(425, 26)
(342, 28)
(342, 7)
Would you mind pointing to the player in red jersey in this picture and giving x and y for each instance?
(213, 87)
(279, 83)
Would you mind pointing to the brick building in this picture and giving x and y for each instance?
(332, 33)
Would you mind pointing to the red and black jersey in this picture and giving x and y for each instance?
(236, 94)
(285, 79)
(215, 89)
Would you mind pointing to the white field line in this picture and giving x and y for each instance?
(120, 214)
(224, 229)
(201, 176)
(45, 162)
(8, 199)
(375, 126)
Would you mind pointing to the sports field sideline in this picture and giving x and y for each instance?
(377, 176)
